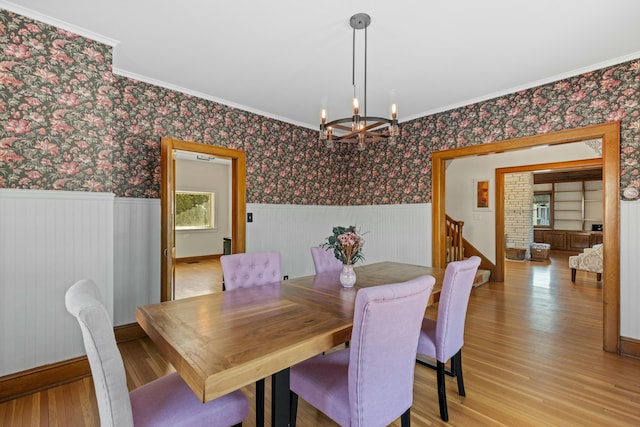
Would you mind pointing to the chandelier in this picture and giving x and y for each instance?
(359, 129)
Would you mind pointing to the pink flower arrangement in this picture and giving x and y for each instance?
(346, 244)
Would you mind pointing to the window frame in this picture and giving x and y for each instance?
(551, 208)
(212, 210)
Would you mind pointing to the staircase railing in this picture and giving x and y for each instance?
(454, 244)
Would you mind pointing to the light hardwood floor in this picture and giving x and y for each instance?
(196, 278)
(532, 357)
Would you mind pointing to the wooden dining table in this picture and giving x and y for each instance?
(224, 341)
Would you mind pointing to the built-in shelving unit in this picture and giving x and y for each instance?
(592, 204)
(577, 207)
(568, 206)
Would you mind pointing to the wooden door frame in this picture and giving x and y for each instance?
(238, 201)
(609, 133)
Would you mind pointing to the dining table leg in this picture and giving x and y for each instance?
(280, 404)
(260, 403)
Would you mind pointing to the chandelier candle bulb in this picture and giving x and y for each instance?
(356, 108)
(393, 111)
(323, 115)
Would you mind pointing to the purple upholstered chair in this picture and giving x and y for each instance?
(243, 271)
(442, 339)
(370, 383)
(250, 269)
(166, 401)
(325, 260)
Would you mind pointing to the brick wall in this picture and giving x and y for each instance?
(518, 206)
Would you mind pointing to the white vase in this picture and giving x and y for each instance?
(347, 276)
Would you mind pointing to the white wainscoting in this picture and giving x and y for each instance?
(630, 269)
(48, 241)
(136, 256)
(392, 232)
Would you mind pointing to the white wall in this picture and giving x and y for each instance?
(629, 269)
(480, 226)
(395, 232)
(48, 241)
(391, 232)
(136, 256)
(193, 175)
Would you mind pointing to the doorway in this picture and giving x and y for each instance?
(609, 133)
(169, 150)
(203, 222)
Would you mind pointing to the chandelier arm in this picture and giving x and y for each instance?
(337, 122)
(373, 127)
(341, 127)
(378, 119)
(365, 132)
(345, 136)
(377, 133)
(368, 139)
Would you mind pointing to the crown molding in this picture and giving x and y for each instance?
(32, 14)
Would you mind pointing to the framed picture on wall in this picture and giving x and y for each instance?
(481, 195)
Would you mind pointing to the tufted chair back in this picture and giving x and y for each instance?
(250, 269)
(246, 270)
(324, 260)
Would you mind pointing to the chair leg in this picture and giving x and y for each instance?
(456, 362)
(293, 398)
(260, 403)
(442, 392)
(573, 274)
(599, 276)
(405, 418)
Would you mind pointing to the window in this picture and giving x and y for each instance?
(194, 210)
(542, 203)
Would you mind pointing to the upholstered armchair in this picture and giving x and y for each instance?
(589, 260)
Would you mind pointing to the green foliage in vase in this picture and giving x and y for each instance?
(346, 243)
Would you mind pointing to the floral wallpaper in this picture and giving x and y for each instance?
(68, 123)
(55, 108)
(280, 162)
(403, 174)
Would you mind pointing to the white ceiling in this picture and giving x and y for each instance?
(287, 59)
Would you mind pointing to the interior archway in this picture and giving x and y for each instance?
(610, 135)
